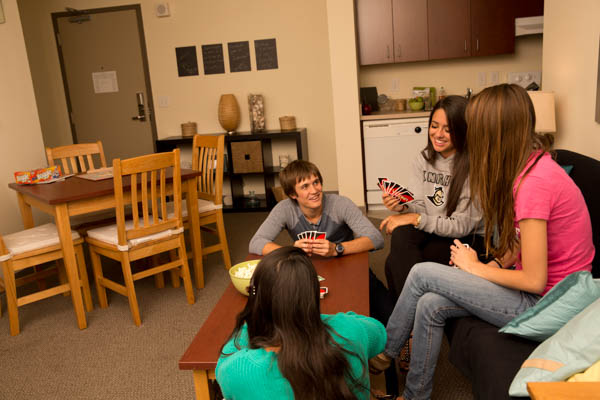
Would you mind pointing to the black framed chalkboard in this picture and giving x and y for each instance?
(239, 56)
(212, 57)
(187, 62)
(266, 54)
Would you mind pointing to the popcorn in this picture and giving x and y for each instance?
(245, 271)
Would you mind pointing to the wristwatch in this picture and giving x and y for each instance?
(339, 249)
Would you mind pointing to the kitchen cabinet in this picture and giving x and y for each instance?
(462, 28)
(410, 30)
(492, 27)
(530, 8)
(391, 31)
(414, 30)
(449, 29)
(235, 178)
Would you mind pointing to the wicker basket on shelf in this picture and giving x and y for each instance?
(287, 122)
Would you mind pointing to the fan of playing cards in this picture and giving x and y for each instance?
(312, 235)
(396, 190)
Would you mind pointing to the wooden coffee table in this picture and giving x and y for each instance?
(346, 277)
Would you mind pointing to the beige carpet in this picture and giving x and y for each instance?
(114, 359)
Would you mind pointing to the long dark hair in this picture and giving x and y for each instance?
(454, 107)
(501, 139)
(283, 311)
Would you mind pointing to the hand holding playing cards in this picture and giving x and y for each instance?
(392, 203)
(392, 190)
(304, 244)
(323, 247)
(311, 242)
(464, 257)
(394, 221)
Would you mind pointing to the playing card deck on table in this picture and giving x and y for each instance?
(312, 235)
(396, 190)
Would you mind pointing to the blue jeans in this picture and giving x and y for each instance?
(433, 293)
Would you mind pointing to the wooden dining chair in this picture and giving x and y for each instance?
(31, 248)
(76, 158)
(207, 157)
(151, 231)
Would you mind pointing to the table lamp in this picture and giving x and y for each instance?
(543, 103)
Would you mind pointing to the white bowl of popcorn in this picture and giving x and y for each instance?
(241, 273)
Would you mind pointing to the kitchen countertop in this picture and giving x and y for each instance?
(394, 114)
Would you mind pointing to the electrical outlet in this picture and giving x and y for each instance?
(481, 81)
(524, 79)
(494, 78)
(395, 85)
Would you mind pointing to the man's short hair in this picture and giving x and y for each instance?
(295, 172)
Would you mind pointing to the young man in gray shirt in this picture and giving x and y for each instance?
(309, 209)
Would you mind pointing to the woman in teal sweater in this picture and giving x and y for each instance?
(283, 348)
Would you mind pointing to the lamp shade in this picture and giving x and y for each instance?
(543, 103)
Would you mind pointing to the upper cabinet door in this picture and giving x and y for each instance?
(449, 29)
(492, 27)
(375, 31)
(410, 30)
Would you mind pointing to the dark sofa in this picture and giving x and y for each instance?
(490, 359)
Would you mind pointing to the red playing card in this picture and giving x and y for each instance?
(321, 235)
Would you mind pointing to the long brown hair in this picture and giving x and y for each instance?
(454, 107)
(501, 137)
(283, 310)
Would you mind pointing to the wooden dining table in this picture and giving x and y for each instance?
(346, 277)
(79, 196)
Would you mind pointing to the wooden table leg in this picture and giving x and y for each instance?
(26, 214)
(201, 384)
(192, 206)
(64, 232)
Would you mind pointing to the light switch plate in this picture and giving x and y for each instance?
(481, 81)
(163, 101)
(494, 78)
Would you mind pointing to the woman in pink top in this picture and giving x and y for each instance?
(536, 220)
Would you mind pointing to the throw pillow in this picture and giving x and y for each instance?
(565, 300)
(570, 350)
(567, 168)
(592, 374)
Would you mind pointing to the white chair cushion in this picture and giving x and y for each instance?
(203, 206)
(108, 234)
(33, 239)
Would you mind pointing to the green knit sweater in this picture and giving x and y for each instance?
(253, 374)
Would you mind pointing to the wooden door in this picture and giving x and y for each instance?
(105, 73)
(492, 27)
(375, 31)
(410, 30)
(449, 29)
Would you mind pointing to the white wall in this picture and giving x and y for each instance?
(455, 75)
(570, 62)
(22, 147)
(344, 77)
(300, 87)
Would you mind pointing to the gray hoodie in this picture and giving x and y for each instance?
(430, 185)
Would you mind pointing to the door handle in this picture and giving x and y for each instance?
(140, 105)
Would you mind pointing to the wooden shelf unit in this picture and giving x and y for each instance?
(269, 174)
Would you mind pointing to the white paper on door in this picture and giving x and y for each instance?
(105, 82)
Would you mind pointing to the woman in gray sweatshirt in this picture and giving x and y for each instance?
(442, 211)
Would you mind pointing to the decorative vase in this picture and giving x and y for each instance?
(229, 113)
(257, 112)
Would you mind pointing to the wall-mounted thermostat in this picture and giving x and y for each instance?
(162, 10)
